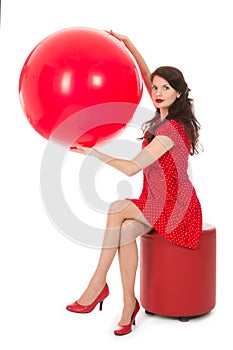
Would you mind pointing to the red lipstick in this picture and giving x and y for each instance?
(158, 100)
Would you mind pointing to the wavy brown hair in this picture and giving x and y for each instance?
(182, 110)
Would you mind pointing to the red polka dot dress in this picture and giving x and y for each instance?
(168, 199)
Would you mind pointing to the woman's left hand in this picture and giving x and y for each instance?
(82, 150)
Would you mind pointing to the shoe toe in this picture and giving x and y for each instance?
(122, 330)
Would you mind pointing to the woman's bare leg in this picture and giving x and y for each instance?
(119, 212)
(128, 262)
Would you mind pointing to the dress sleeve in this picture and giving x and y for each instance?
(176, 132)
(170, 129)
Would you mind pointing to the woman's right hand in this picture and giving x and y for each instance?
(146, 75)
(120, 37)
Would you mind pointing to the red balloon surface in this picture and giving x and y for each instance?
(74, 69)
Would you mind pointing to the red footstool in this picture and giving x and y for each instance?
(177, 281)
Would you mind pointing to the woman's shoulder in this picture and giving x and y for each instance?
(170, 126)
(175, 123)
(167, 127)
(174, 130)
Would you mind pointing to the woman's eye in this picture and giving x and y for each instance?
(166, 87)
(154, 87)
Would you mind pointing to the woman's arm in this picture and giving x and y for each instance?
(146, 74)
(153, 151)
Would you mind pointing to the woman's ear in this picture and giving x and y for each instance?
(178, 95)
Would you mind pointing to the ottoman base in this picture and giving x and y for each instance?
(177, 281)
(180, 318)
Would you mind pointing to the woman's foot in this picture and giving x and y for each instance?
(90, 294)
(127, 312)
(80, 307)
(122, 329)
(126, 315)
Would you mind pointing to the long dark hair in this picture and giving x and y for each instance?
(182, 110)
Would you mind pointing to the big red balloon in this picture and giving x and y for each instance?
(74, 69)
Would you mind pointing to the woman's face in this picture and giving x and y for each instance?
(163, 94)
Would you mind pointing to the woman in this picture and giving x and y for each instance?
(168, 202)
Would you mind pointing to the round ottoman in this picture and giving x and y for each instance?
(177, 281)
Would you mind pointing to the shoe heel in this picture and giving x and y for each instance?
(101, 305)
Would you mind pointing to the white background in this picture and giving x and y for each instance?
(42, 270)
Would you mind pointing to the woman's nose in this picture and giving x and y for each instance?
(158, 92)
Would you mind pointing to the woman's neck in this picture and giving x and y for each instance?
(163, 113)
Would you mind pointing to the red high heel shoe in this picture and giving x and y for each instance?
(122, 330)
(76, 307)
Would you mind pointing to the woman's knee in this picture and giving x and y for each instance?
(118, 206)
(131, 230)
(127, 227)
